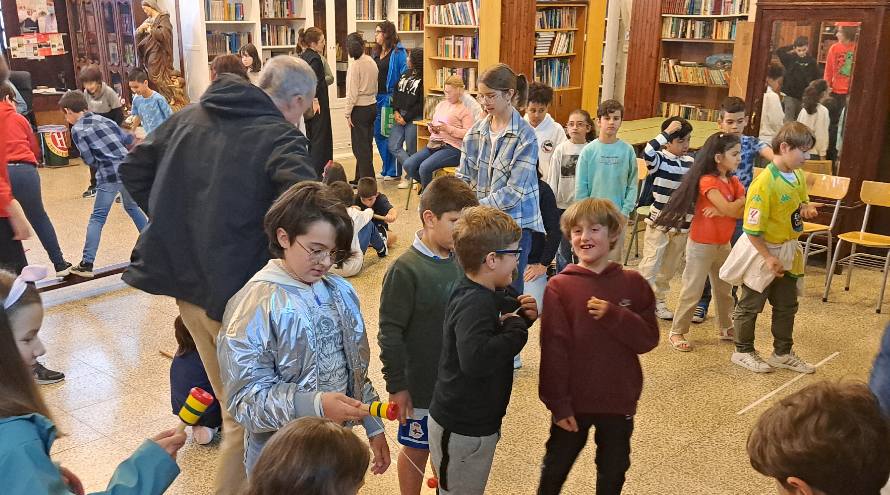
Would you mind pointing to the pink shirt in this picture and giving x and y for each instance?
(456, 115)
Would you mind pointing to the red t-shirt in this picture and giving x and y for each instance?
(716, 230)
(21, 145)
(839, 67)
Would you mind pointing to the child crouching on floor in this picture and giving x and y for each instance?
(187, 371)
(364, 233)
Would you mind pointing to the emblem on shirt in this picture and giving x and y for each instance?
(415, 431)
(547, 147)
(624, 303)
(753, 216)
(568, 165)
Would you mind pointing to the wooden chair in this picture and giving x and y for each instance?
(640, 212)
(818, 166)
(756, 171)
(872, 194)
(823, 186)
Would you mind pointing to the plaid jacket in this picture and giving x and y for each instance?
(509, 181)
(102, 144)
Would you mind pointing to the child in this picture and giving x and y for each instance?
(150, 109)
(772, 115)
(26, 425)
(839, 74)
(334, 172)
(549, 133)
(407, 106)
(311, 456)
(102, 100)
(293, 342)
(607, 167)
(718, 198)
(103, 145)
(250, 59)
(187, 371)
(365, 233)
(384, 214)
(482, 333)
(563, 163)
(599, 318)
(776, 202)
(415, 294)
(815, 116)
(827, 439)
(800, 70)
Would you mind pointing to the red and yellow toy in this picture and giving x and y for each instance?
(385, 410)
(195, 405)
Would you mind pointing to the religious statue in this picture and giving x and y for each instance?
(154, 45)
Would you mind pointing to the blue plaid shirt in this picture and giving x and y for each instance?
(509, 180)
(751, 147)
(102, 144)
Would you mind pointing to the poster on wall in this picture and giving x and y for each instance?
(36, 46)
(37, 16)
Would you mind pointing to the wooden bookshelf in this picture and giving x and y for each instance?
(410, 21)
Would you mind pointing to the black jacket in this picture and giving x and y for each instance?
(799, 71)
(205, 178)
(545, 246)
(476, 366)
(407, 99)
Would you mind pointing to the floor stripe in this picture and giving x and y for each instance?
(784, 386)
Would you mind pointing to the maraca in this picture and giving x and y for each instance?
(195, 404)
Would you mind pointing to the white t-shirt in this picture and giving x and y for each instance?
(818, 123)
(772, 116)
(561, 172)
(360, 218)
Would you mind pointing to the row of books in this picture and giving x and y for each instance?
(554, 43)
(554, 72)
(689, 111)
(277, 35)
(455, 14)
(458, 46)
(410, 4)
(224, 10)
(410, 21)
(560, 18)
(429, 105)
(677, 71)
(468, 74)
(698, 29)
(278, 8)
(705, 7)
(366, 9)
(223, 43)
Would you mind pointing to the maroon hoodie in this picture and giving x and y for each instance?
(591, 366)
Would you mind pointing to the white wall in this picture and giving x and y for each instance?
(194, 46)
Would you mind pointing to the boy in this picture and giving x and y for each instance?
(827, 439)
(774, 206)
(772, 115)
(384, 214)
(364, 232)
(607, 168)
(102, 145)
(549, 133)
(101, 100)
(150, 109)
(800, 70)
(415, 294)
(599, 318)
(482, 330)
(663, 251)
(838, 74)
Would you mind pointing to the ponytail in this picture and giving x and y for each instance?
(307, 36)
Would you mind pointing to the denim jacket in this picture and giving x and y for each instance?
(510, 181)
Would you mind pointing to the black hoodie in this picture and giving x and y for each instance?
(206, 178)
(799, 71)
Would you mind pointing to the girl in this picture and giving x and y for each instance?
(719, 199)
(26, 426)
(815, 116)
(318, 128)
(361, 110)
(251, 61)
(311, 456)
(187, 371)
(407, 105)
(500, 156)
(392, 61)
(333, 172)
(449, 125)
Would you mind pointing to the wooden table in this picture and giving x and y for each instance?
(639, 132)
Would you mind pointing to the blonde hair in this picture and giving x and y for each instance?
(482, 230)
(455, 81)
(593, 211)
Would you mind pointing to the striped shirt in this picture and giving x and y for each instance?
(667, 170)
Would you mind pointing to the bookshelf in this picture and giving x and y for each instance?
(280, 21)
(230, 24)
(410, 17)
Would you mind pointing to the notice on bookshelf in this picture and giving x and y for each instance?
(279, 9)
(278, 35)
(410, 21)
(466, 47)
(455, 14)
(224, 43)
(698, 29)
(554, 43)
(555, 72)
(692, 73)
(468, 74)
(224, 10)
(557, 18)
(705, 7)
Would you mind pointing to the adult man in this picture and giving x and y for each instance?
(206, 178)
(800, 70)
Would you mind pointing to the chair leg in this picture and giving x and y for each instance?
(806, 251)
(883, 282)
(850, 266)
(830, 274)
(828, 254)
(633, 235)
(410, 188)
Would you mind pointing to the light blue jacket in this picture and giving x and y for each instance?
(26, 468)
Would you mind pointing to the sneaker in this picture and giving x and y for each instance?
(379, 176)
(791, 362)
(751, 361)
(662, 311)
(385, 251)
(84, 269)
(62, 269)
(405, 184)
(45, 376)
(89, 193)
(517, 362)
(389, 178)
(202, 435)
(699, 315)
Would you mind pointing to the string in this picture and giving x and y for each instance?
(378, 420)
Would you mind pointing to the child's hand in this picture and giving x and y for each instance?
(710, 212)
(529, 307)
(380, 449)
(775, 265)
(171, 441)
(598, 308)
(671, 128)
(403, 400)
(534, 271)
(71, 481)
(810, 210)
(340, 408)
(568, 424)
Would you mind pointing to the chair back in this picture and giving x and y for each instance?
(875, 193)
(642, 170)
(827, 186)
(757, 171)
(818, 166)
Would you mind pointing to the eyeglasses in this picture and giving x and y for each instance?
(377, 31)
(514, 252)
(319, 255)
(490, 97)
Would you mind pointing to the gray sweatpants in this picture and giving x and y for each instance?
(468, 463)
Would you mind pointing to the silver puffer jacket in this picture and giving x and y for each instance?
(267, 350)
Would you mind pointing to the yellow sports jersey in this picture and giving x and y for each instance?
(772, 206)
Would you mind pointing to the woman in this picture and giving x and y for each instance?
(450, 123)
(250, 58)
(816, 116)
(318, 128)
(407, 105)
(392, 61)
(361, 109)
(500, 156)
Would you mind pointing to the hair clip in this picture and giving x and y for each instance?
(30, 274)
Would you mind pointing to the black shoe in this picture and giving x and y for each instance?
(62, 269)
(354, 183)
(84, 269)
(90, 192)
(45, 376)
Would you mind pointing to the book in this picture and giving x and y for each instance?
(221, 43)
(410, 4)
(224, 10)
(556, 18)
(279, 8)
(278, 34)
(366, 10)
(676, 71)
(468, 74)
(554, 72)
(706, 7)
(698, 29)
(688, 111)
(455, 14)
(466, 47)
(410, 21)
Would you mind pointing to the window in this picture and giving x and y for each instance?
(3, 43)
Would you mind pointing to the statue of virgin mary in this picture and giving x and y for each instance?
(154, 45)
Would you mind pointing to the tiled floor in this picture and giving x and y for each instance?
(689, 438)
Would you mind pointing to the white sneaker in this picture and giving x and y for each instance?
(751, 361)
(791, 362)
(662, 311)
(405, 184)
(387, 178)
(699, 314)
(203, 435)
(379, 176)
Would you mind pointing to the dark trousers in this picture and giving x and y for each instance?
(321, 140)
(612, 436)
(12, 254)
(25, 182)
(834, 116)
(92, 177)
(362, 134)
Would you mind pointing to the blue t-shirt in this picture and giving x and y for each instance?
(152, 111)
(751, 147)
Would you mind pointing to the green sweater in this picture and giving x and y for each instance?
(415, 293)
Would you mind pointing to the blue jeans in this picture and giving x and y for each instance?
(705, 301)
(389, 161)
(525, 244)
(402, 135)
(370, 235)
(421, 165)
(105, 194)
(25, 182)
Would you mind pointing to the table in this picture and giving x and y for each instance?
(639, 132)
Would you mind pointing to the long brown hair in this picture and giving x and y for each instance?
(306, 37)
(311, 456)
(812, 95)
(251, 51)
(390, 36)
(501, 77)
